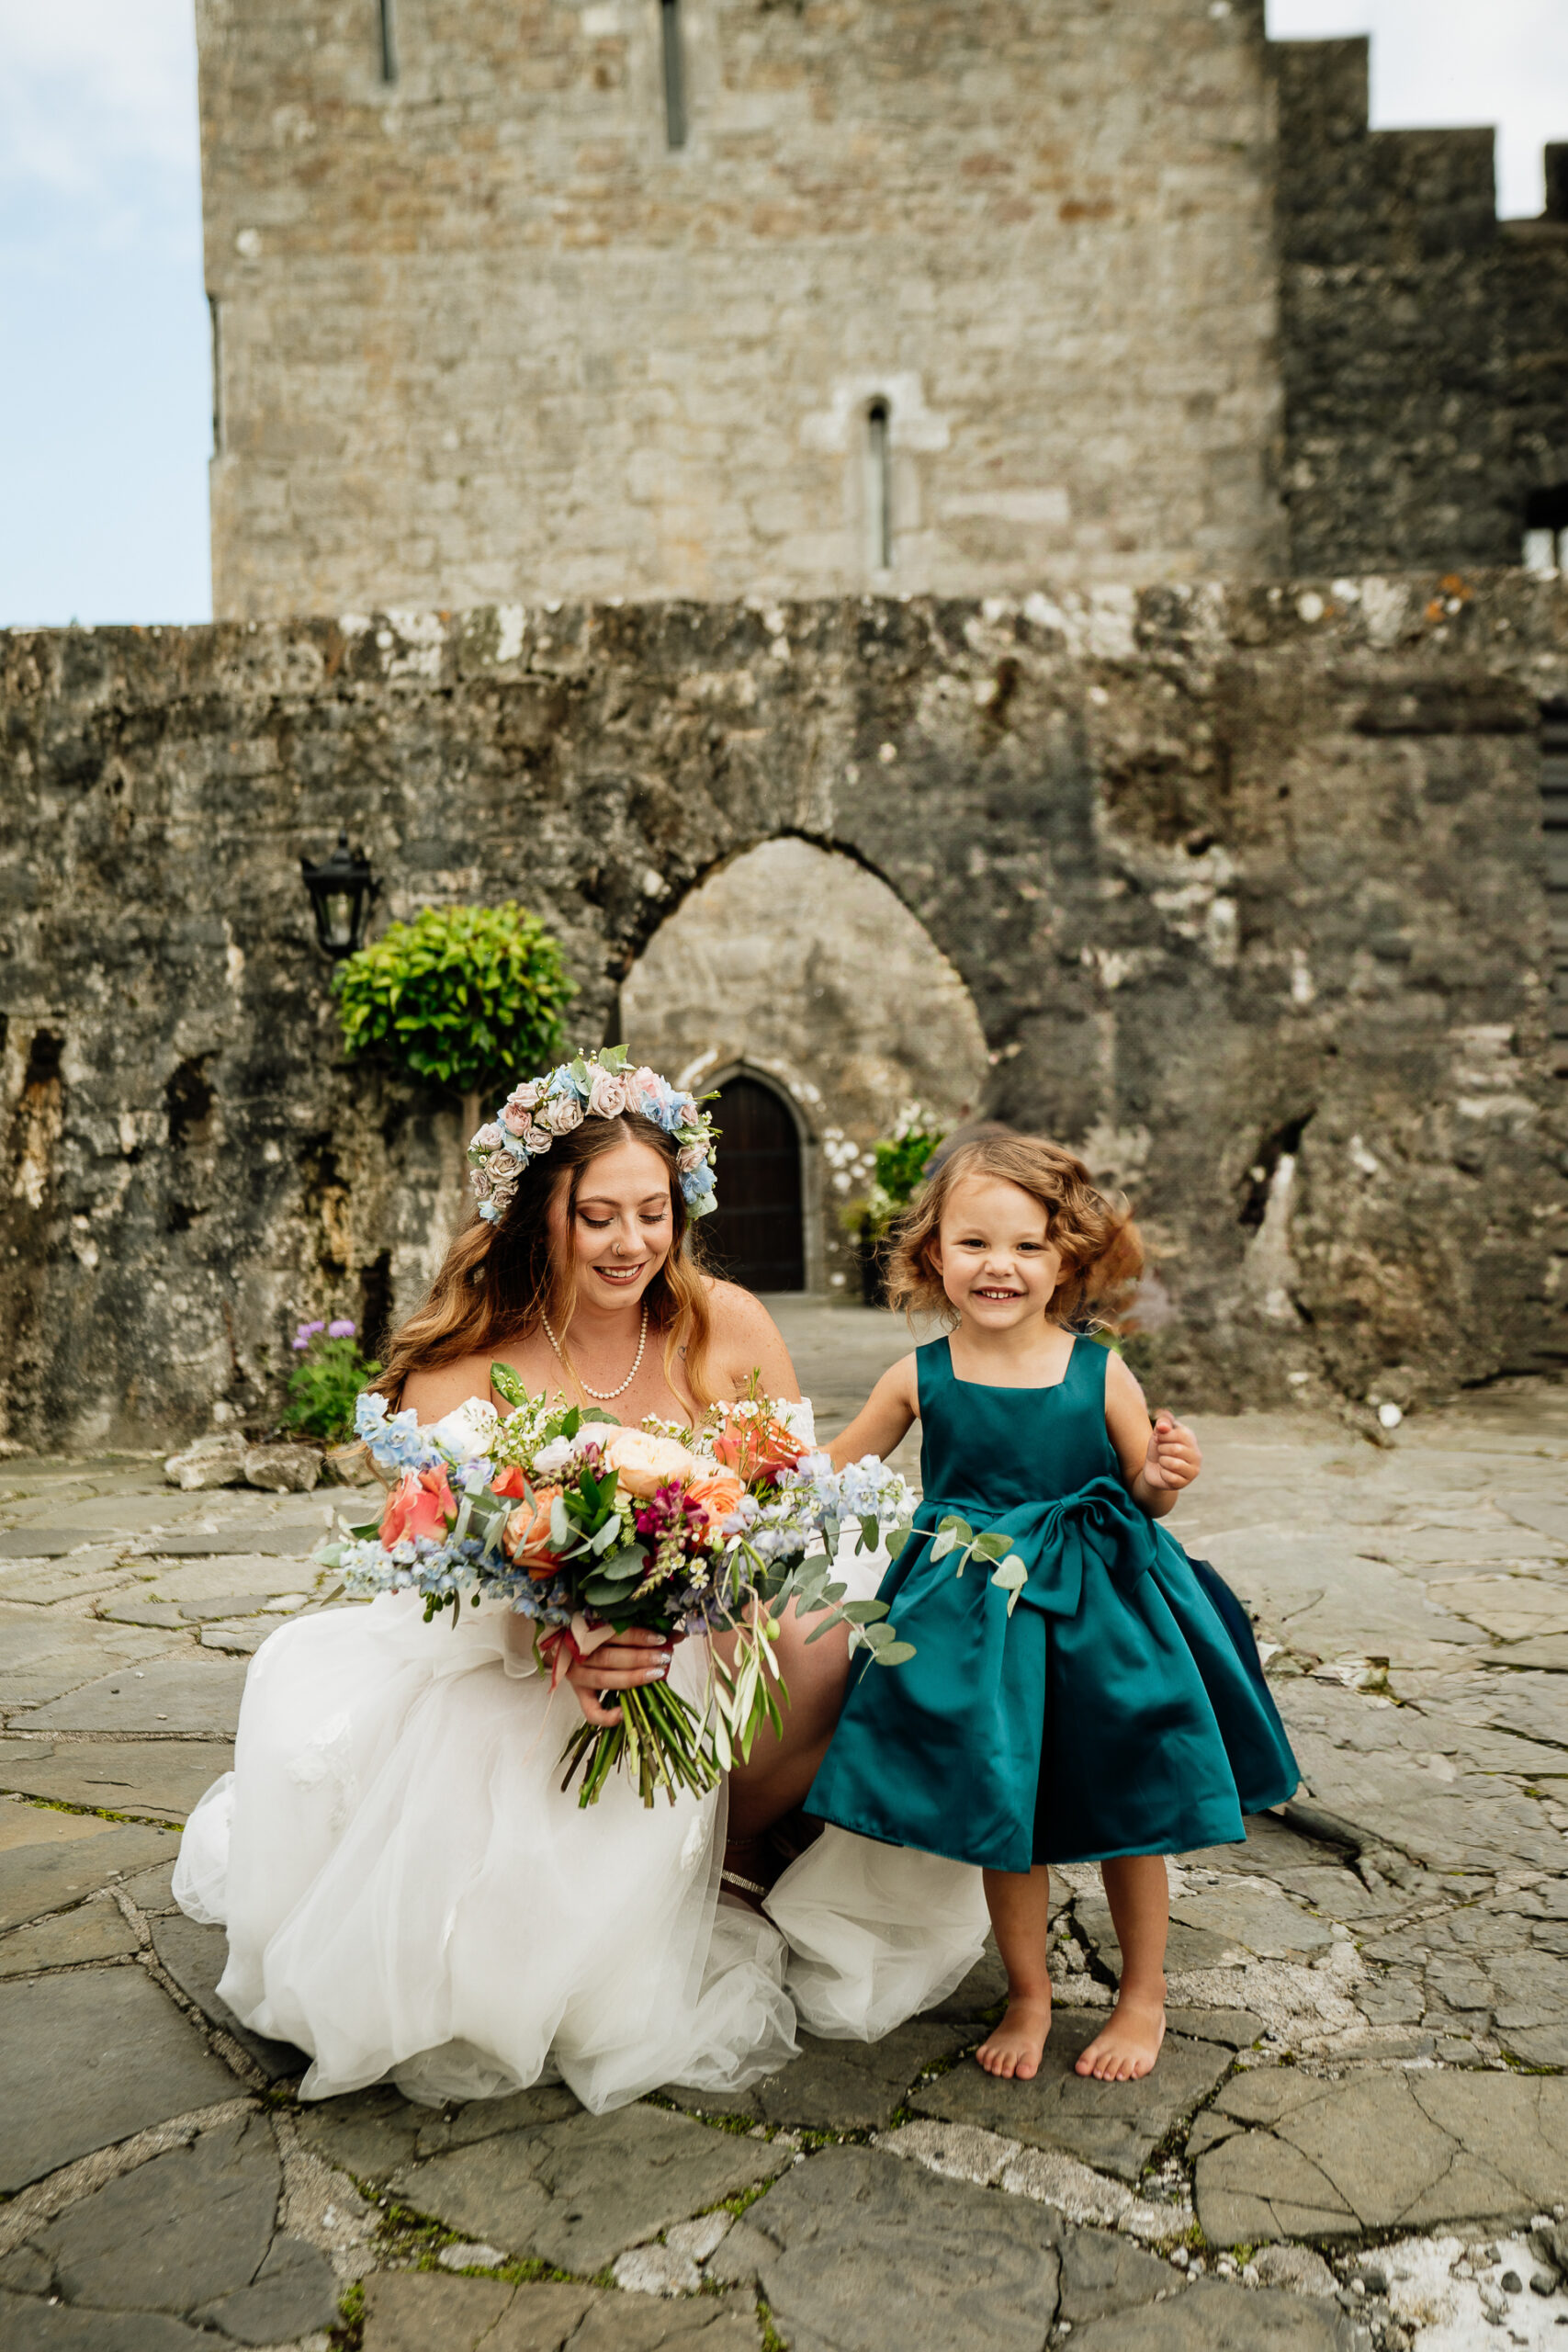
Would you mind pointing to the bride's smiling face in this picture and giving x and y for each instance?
(622, 1229)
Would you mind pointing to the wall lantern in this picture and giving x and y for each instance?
(342, 894)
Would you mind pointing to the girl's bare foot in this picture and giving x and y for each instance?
(1127, 2049)
(1015, 2047)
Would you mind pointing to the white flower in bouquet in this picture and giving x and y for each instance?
(469, 1429)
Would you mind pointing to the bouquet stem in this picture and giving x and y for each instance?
(658, 1743)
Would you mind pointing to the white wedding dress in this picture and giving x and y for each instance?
(408, 1895)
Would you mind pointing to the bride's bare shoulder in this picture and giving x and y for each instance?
(747, 1339)
(445, 1386)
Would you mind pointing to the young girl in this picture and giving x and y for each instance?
(1092, 1701)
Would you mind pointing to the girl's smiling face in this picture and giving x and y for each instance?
(994, 1254)
(623, 1229)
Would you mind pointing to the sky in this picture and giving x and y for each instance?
(104, 393)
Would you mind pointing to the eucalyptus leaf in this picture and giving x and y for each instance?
(507, 1386)
(894, 1652)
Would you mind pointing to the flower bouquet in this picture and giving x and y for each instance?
(588, 1529)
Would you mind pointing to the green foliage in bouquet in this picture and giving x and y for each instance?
(325, 1383)
(468, 998)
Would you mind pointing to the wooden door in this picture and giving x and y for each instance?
(756, 1235)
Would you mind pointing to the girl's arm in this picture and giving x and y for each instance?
(886, 1417)
(1156, 1461)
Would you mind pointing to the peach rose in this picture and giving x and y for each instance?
(509, 1482)
(515, 1120)
(527, 1536)
(643, 1462)
(758, 1449)
(717, 1496)
(420, 1504)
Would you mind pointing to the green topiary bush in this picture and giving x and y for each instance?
(468, 998)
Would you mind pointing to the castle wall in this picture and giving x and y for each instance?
(1424, 342)
(1247, 887)
(481, 335)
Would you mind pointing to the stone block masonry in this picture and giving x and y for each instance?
(1248, 887)
(483, 332)
(1424, 342)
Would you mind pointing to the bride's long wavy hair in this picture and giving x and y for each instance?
(497, 1282)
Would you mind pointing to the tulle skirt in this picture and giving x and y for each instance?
(408, 1896)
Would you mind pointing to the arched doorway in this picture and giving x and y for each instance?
(797, 976)
(756, 1235)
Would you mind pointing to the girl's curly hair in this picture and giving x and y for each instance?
(1101, 1253)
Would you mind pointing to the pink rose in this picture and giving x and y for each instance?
(514, 1119)
(488, 1137)
(643, 1462)
(644, 1080)
(607, 1096)
(539, 1139)
(525, 1097)
(418, 1505)
(692, 1155)
(561, 1116)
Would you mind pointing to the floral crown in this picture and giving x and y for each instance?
(595, 1086)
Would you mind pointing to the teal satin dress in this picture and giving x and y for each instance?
(1119, 1710)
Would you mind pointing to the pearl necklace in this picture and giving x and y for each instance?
(603, 1395)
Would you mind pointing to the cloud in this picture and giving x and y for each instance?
(98, 136)
(1448, 62)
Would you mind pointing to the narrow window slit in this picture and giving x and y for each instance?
(215, 314)
(674, 73)
(389, 39)
(879, 484)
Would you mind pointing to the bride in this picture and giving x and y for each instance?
(407, 1893)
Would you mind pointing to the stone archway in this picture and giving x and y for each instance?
(797, 964)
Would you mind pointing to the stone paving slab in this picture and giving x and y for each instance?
(28, 2324)
(1213, 2317)
(195, 1958)
(86, 2059)
(421, 2311)
(373, 2134)
(1113, 2126)
(191, 2234)
(41, 1657)
(282, 1538)
(93, 1931)
(840, 2086)
(855, 2252)
(156, 1776)
(50, 1861)
(81, 1578)
(579, 2192)
(188, 1693)
(1379, 2150)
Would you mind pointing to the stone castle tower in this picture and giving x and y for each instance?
(696, 297)
(523, 298)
